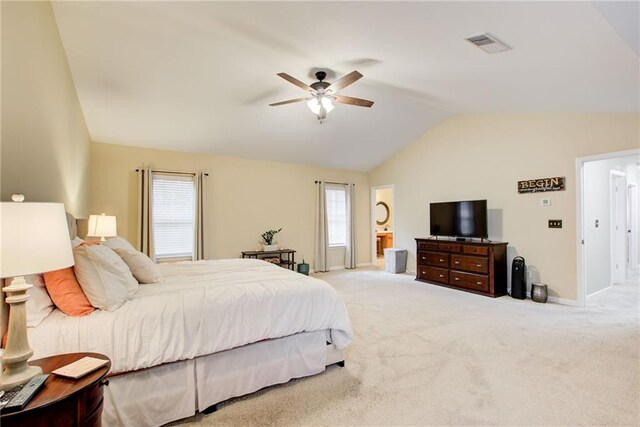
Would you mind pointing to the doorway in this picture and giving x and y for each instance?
(607, 225)
(382, 222)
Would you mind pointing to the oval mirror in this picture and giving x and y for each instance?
(382, 213)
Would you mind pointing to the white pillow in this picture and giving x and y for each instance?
(39, 304)
(104, 277)
(76, 241)
(143, 269)
(119, 243)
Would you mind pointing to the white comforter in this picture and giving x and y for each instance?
(200, 308)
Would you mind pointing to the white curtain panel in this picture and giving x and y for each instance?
(322, 236)
(350, 247)
(199, 250)
(145, 236)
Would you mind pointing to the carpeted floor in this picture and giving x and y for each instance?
(426, 355)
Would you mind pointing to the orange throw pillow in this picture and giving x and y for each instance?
(66, 293)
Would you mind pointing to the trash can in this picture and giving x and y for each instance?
(395, 260)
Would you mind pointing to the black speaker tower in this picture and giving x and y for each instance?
(518, 278)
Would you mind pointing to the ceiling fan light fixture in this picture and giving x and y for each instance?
(316, 102)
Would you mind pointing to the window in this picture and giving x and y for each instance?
(337, 216)
(173, 216)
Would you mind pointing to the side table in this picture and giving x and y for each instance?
(63, 401)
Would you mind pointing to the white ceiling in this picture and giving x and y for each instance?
(198, 76)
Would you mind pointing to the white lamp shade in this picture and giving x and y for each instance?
(34, 238)
(102, 226)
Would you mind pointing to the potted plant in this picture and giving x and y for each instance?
(267, 236)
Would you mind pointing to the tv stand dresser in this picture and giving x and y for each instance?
(478, 267)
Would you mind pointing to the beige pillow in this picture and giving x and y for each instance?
(103, 275)
(119, 243)
(143, 269)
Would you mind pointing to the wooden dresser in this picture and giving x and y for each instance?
(475, 267)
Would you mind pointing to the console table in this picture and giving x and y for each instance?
(478, 267)
(286, 257)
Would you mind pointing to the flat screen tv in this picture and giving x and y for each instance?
(459, 219)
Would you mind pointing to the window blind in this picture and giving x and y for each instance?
(173, 215)
(337, 216)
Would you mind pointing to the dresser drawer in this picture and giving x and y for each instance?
(469, 281)
(450, 247)
(437, 259)
(470, 263)
(476, 250)
(427, 246)
(433, 274)
(422, 258)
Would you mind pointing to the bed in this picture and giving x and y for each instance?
(210, 331)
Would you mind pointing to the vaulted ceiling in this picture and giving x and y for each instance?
(197, 76)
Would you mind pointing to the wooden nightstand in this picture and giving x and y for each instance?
(63, 401)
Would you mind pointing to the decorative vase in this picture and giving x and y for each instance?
(269, 248)
(539, 292)
(303, 268)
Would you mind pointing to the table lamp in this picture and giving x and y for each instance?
(33, 239)
(102, 226)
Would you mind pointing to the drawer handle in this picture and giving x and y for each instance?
(105, 382)
(441, 260)
(457, 262)
(457, 278)
(478, 265)
(478, 283)
(424, 257)
(442, 275)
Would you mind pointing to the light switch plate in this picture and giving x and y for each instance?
(545, 202)
(555, 223)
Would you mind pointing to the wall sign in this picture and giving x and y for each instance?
(541, 185)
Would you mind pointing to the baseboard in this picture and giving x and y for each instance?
(564, 301)
(600, 291)
(337, 267)
(364, 264)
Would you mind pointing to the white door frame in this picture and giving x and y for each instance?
(632, 224)
(581, 264)
(617, 276)
(372, 229)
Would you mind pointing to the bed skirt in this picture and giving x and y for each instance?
(173, 391)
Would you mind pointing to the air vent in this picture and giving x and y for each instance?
(488, 43)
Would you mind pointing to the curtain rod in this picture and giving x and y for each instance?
(335, 183)
(174, 172)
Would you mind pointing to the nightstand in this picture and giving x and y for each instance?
(63, 401)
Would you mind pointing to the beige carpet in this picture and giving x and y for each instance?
(426, 355)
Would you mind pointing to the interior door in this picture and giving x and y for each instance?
(632, 226)
(618, 228)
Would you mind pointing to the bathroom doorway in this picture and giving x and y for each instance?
(382, 222)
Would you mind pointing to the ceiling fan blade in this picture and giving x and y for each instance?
(345, 81)
(353, 101)
(295, 81)
(290, 101)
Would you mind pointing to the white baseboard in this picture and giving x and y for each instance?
(564, 301)
(364, 264)
(337, 267)
(600, 291)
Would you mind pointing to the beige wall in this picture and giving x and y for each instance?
(44, 142)
(244, 198)
(482, 157)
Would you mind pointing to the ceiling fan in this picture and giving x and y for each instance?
(323, 94)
